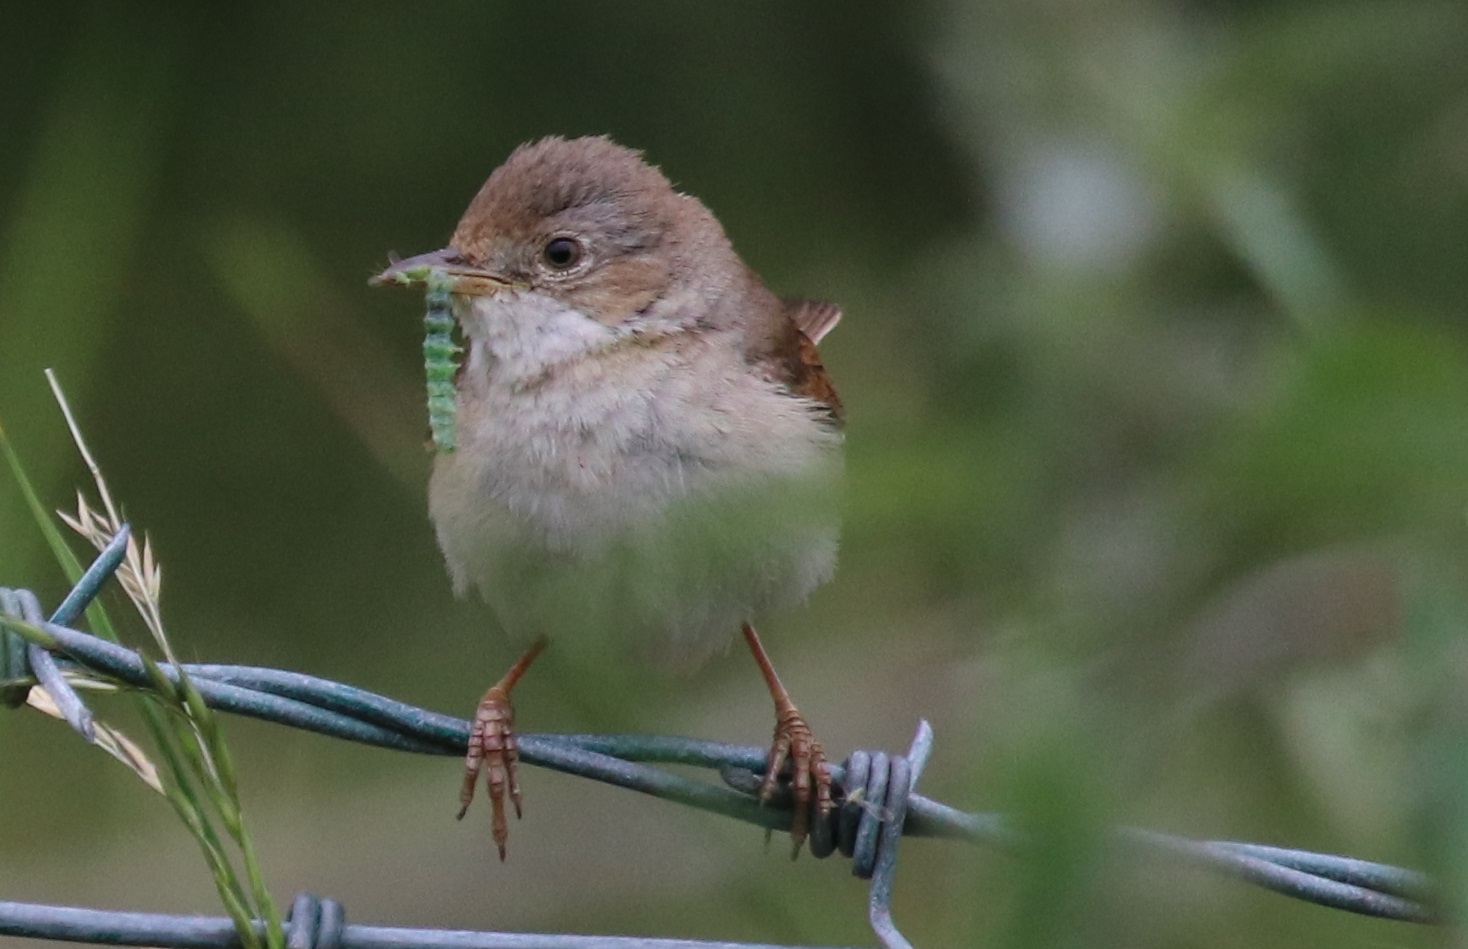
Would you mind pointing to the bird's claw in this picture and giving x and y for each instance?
(810, 774)
(494, 752)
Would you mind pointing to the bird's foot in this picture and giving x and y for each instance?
(493, 752)
(810, 775)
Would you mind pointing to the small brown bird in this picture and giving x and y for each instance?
(648, 444)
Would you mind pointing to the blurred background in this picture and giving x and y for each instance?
(1156, 363)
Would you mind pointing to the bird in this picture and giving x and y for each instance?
(648, 448)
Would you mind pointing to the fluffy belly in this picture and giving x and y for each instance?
(659, 549)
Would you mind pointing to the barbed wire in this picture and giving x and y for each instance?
(877, 803)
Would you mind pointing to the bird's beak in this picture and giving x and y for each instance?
(467, 279)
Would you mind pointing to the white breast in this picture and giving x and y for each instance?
(659, 491)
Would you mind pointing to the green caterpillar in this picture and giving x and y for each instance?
(440, 352)
(440, 358)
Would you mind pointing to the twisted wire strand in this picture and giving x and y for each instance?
(877, 807)
(313, 924)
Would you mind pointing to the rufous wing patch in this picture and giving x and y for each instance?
(786, 351)
(811, 380)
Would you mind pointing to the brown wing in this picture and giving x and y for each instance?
(796, 359)
(812, 381)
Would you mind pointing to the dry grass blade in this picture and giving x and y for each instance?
(109, 739)
(189, 739)
(140, 575)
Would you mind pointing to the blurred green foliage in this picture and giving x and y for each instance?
(1156, 362)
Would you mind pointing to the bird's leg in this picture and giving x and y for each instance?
(793, 742)
(494, 751)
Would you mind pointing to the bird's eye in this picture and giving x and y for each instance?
(561, 253)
